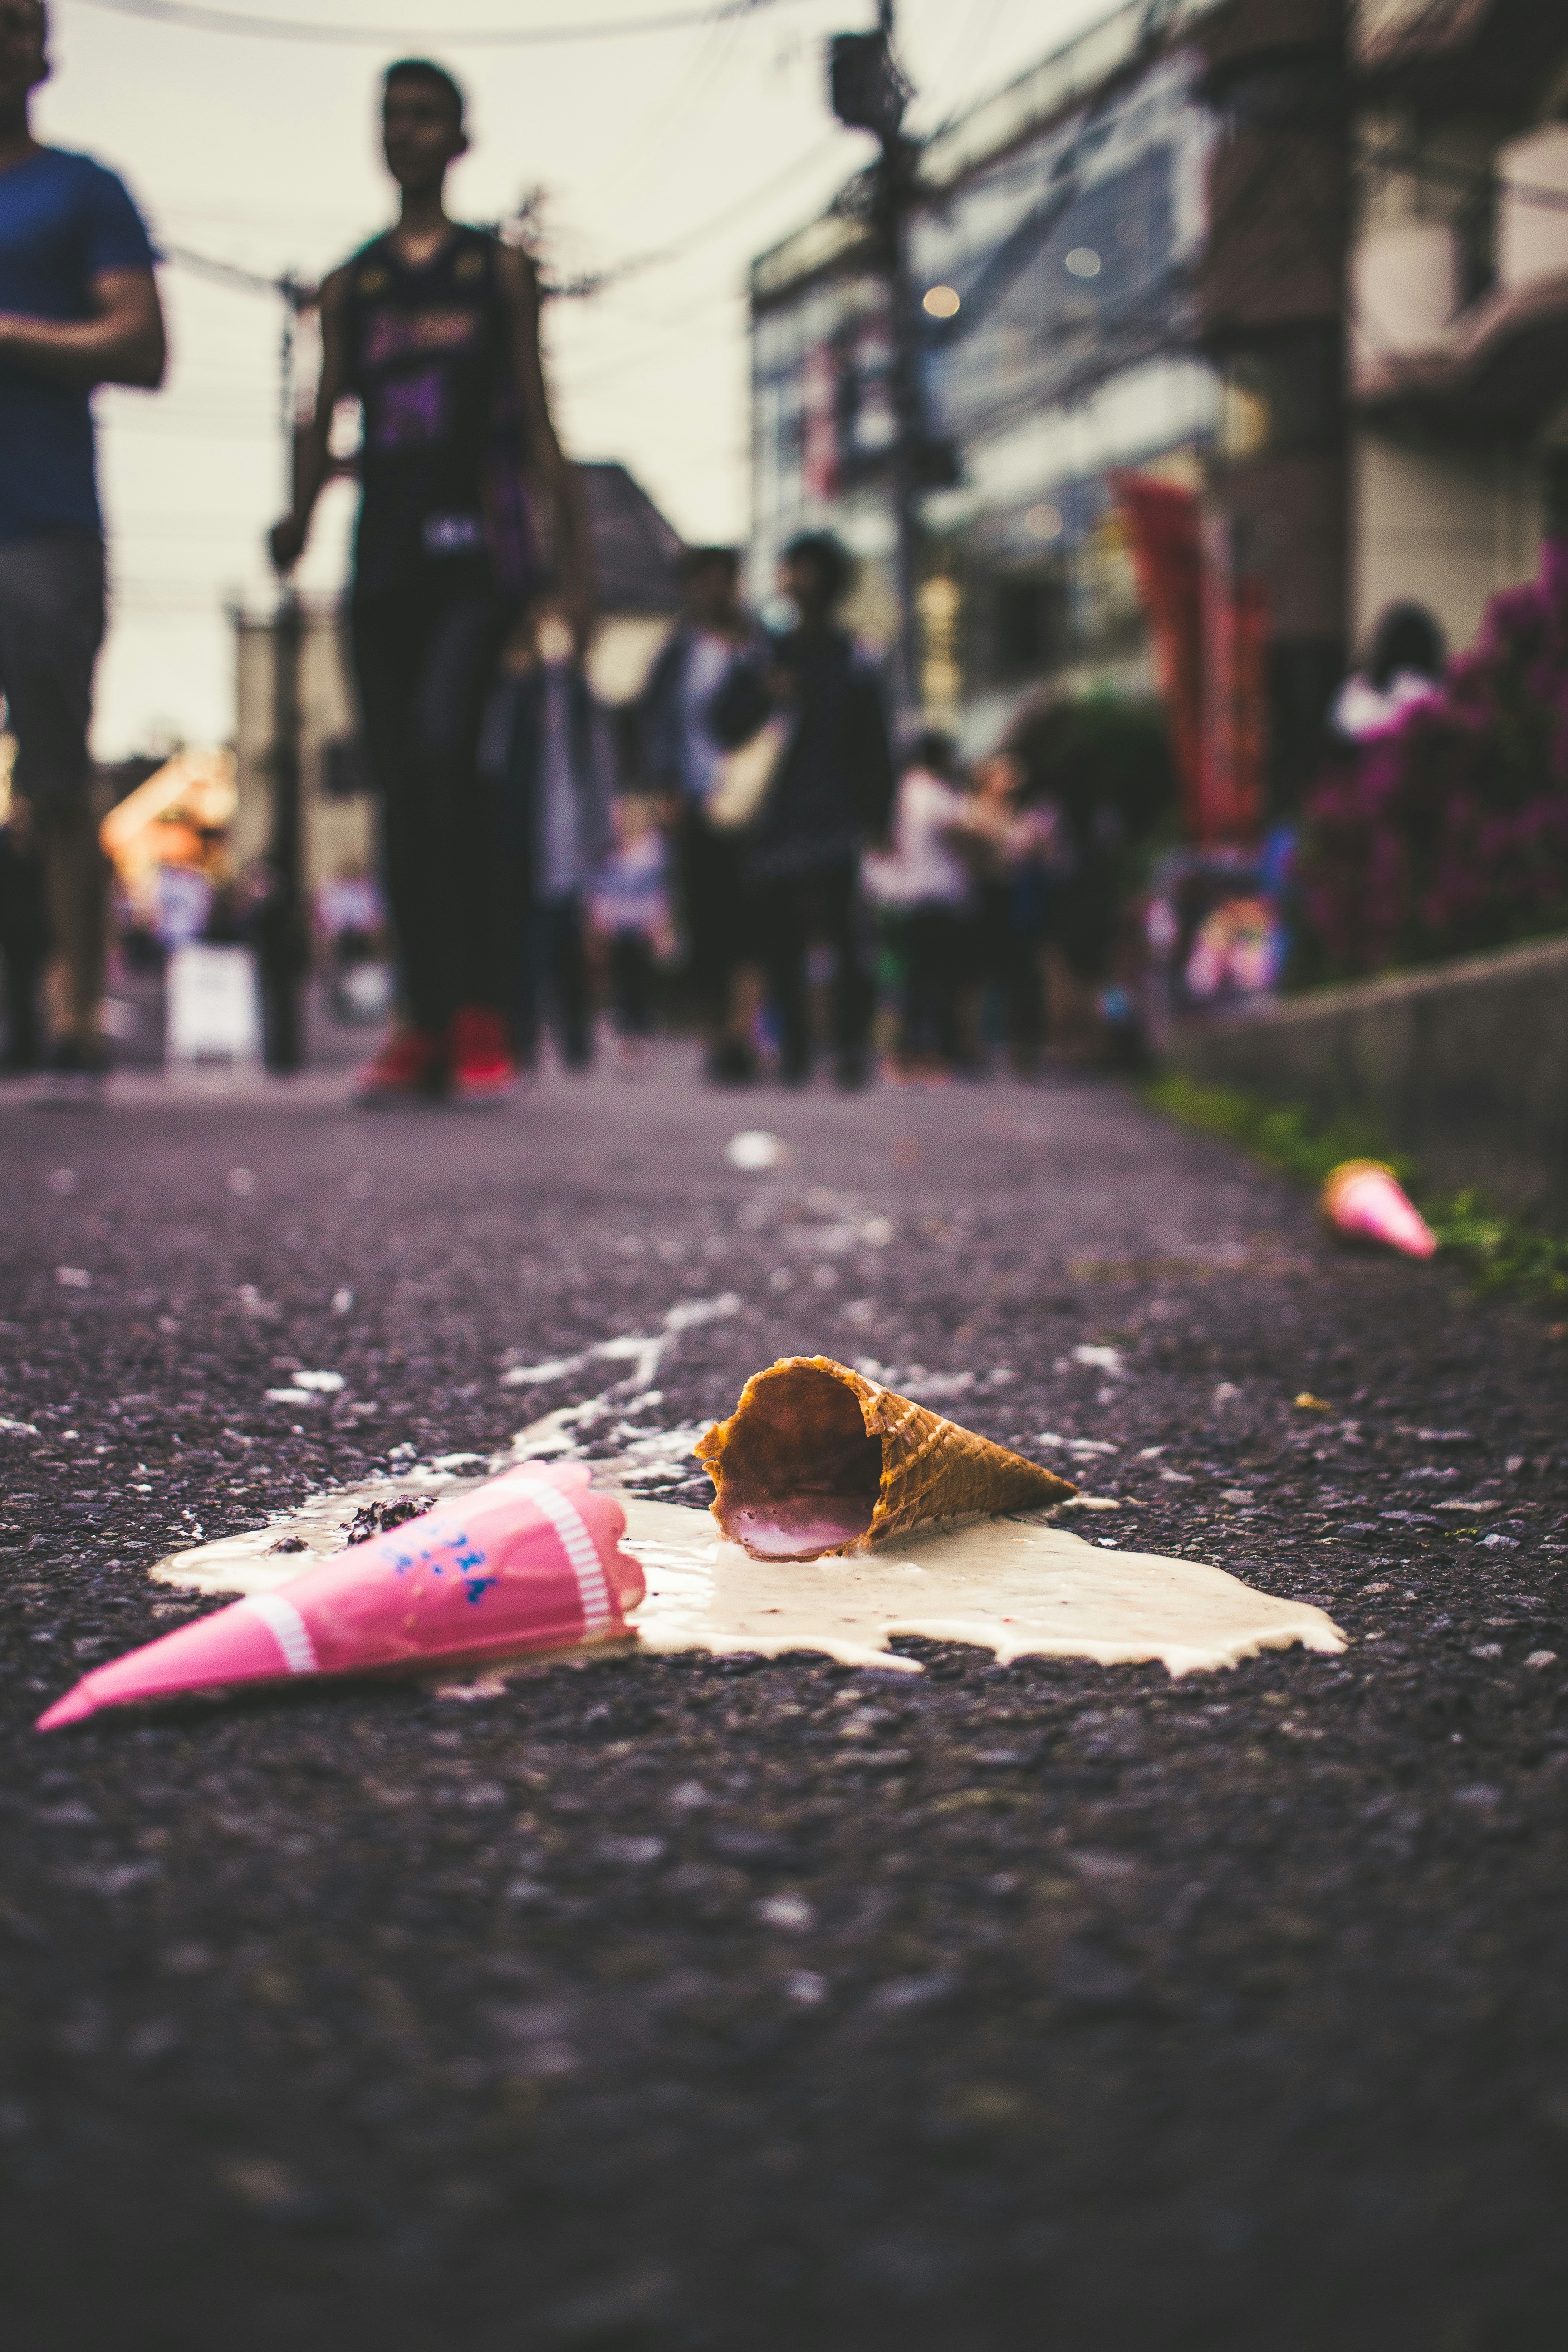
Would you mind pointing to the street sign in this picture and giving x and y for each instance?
(213, 1009)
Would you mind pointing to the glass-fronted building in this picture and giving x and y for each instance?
(1054, 255)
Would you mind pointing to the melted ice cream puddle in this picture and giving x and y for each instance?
(1017, 1586)
(251, 1562)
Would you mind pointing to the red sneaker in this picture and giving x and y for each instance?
(483, 1070)
(410, 1063)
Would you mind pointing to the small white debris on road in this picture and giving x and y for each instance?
(754, 1150)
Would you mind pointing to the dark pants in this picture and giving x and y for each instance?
(23, 948)
(631, 983)
(934, 942)
(1009, 958)
(552, 985)
(715, 922)
(786, 917)
(425, 657)
(51, 626)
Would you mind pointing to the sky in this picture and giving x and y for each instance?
(716, 140)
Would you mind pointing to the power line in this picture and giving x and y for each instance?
(224, 273)
(189, 16)
(717, 222)
(256, 281)
(711, 60)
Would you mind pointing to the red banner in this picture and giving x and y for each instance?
(819, 453)
(1162, 525)
(1209, 621)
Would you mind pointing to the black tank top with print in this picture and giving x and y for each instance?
(441, 456)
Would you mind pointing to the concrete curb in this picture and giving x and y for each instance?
(1464, 1066)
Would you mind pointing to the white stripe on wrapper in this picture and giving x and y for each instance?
(287, 1629)
(581, 1550)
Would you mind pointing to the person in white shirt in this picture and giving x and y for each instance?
(1404, 666)
(925, 889)
(629, 918)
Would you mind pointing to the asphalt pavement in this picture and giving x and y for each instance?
(679, 2002)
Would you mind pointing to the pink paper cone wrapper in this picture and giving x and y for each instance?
(529, 1561)
(1367, 1201)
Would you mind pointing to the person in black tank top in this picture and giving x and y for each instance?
(434, 328)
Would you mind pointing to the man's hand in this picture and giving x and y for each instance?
(285, 542)
(122, 342)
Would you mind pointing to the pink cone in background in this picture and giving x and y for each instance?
(528, 1561)
(1366, 1200)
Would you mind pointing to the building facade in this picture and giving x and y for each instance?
(1056, 250)
(1458, 345)
(1305, 258)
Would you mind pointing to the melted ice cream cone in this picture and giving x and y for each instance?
(531, 1560)
(1366, 1202)
(815, 1458)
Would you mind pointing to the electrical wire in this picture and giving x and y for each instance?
(656, 352)
(972, 42)
(188, 16)
(708, 70)
(256, 281)
(1391, 160)
(227, 273)
(1143, 331)
(717, 222)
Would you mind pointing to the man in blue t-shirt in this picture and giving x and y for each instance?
(78, 307)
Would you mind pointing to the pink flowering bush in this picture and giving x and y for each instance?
(1450, 831)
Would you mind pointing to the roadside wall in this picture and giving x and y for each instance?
(1464, 1067)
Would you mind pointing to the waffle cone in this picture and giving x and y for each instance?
(815, 1458)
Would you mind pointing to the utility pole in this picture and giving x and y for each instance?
(282, 943)
(869, 93)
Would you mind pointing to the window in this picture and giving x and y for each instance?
(1031, 624)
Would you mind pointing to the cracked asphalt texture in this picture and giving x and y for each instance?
(676, 2003)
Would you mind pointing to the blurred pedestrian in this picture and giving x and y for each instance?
(683, 760)
(1012, 845)
(926, 892)
(78, 307)
(435, 327)
(1100, 782)
(830, 794)
(1404, 665)
(548, 745)
(629, 918)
